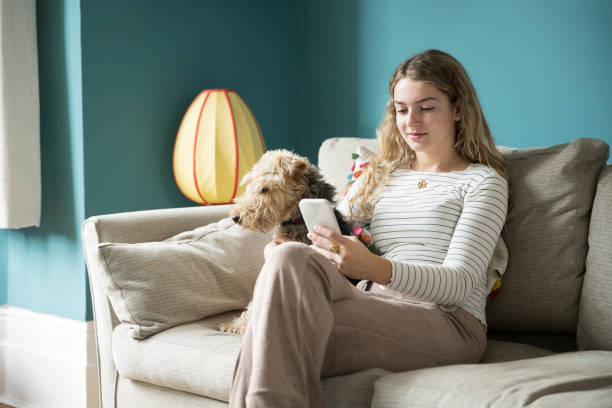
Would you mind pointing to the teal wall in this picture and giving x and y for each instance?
(145, 61)
(541, 68)
(117, 76)
(45, 270)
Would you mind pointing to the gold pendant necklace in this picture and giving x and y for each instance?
(422, 183)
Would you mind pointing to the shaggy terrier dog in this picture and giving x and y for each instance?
(275, 186)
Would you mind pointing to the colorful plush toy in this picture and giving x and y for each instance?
(360, 160)
(363, 233)
(495, 277)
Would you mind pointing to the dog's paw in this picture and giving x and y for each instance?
(232, 328)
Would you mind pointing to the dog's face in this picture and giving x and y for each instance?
(274, 186)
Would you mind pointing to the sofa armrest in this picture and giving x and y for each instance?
(129, 227)
(154, 225)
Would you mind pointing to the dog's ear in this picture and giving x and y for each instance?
(299, 169)
(293, 167)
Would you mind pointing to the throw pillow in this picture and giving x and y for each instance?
(552, 191)
(153, 286)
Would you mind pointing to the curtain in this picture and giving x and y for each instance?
(20, 185)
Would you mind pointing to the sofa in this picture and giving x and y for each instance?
(162, 280)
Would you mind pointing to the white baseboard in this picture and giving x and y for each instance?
(46, 361)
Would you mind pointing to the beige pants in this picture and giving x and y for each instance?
(307, 321)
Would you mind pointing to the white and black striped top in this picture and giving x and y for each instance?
(439, 238)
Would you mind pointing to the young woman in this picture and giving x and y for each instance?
(436, 198)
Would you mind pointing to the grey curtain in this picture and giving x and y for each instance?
(20, 186)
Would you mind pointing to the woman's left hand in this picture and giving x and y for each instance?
(352, 258)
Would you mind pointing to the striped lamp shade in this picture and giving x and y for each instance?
(217, 143)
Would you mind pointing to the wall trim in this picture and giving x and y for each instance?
(46, 360)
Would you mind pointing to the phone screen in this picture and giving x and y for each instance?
(318, 211)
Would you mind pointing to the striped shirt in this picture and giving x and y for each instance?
(440, 237)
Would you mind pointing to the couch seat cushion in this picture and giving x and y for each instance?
(499, 351)
(199, 359)
(193, 357)
(582, 378)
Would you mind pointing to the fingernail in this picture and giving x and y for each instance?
(317, 228)
(310, 235)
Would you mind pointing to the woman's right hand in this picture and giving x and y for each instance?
(273, 244)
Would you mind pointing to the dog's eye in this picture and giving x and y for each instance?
(264, 190)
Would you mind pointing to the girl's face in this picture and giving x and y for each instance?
(424, 116)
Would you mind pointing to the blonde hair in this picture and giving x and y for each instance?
(473, 140)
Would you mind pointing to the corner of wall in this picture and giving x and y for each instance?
(302, 78)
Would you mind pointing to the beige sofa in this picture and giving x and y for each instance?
(157, 302)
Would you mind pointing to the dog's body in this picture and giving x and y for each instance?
(275, 185)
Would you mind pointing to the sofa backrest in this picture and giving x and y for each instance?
(552, 191)
(595, 314)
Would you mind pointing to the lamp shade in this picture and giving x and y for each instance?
(217, 143)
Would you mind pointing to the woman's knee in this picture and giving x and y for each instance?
(287, 258)
(295, 259)
(290, 252)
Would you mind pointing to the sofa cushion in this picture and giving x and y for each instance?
(555, 342)
(156, 285)
(499, 351)
(194, 357)
(583, 378)
(197, 358)
(595, 313)
(138, 394)
(552, 191)
(352, 390)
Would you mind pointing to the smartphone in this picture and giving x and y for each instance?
(318, 211)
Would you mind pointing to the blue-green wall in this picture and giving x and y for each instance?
(144, 61)
(45, 270)
(541, 68)
(117, 76)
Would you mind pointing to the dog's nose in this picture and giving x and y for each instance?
(236, 219)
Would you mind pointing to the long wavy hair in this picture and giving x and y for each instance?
(473, 140)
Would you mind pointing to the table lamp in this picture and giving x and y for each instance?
(217, 143)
